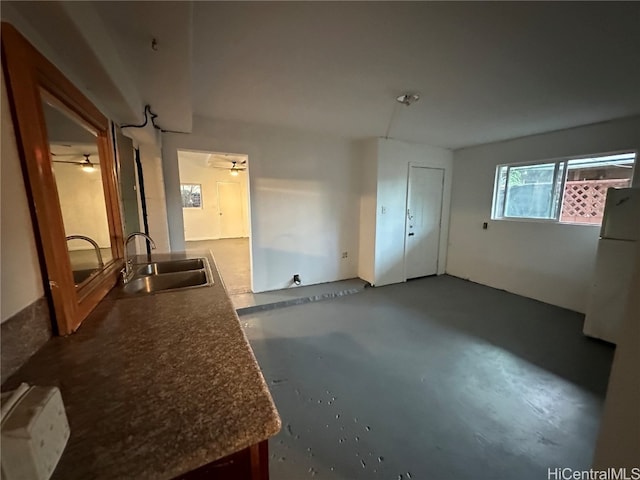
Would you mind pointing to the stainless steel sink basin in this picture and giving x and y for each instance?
(166, 281)
(172, 266)
(166, 276)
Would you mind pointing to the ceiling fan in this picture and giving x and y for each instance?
(236, 167)
(86, 164)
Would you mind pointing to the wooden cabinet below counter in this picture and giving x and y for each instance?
(252, 463)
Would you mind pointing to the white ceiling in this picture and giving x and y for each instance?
(75, 152)
(212, 159)
(162, 75)
(485, 71)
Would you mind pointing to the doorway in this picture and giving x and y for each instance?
(423, 221)
(215, 207)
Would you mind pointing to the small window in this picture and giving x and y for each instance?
(569, 191)
(191, 195)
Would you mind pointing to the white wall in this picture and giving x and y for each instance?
(151, 160)
(84, 209)
(548, 262)
(304, 191)
(394, 158)
(204, 223)
(20, 275)
(368, 207)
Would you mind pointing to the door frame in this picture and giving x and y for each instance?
(411, 165)
(249, 201)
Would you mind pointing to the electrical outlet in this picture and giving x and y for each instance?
(345, 254)
(383, 210)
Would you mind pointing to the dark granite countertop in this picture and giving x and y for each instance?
(156, 385)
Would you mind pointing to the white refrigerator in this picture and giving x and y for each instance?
(614, 264)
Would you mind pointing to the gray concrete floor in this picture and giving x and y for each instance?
(232, 259)
(437, 379)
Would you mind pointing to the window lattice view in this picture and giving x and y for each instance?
(568, 191)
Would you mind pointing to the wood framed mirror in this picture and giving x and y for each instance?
(68, 162)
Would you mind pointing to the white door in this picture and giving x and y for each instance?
(230, 210)
(424, 211)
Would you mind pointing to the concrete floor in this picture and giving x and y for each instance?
(232, 259)
(437, 379)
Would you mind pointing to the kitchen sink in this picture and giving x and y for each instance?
(166, 281)
(166, 276)
(172, 266)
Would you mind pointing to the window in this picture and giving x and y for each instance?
(191, 195)
(570, 191)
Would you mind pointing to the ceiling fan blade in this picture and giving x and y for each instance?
(67, 161)
(229, 168)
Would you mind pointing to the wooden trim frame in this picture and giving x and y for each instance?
(30, 79)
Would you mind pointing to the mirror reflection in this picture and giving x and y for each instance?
(128, 182)
(76, 166)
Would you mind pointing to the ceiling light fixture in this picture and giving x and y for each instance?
(234, 170)
(87, 166)
(405, 99)
(408, 98)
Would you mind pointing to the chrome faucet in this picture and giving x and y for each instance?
(128, 262)
(95, 245)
